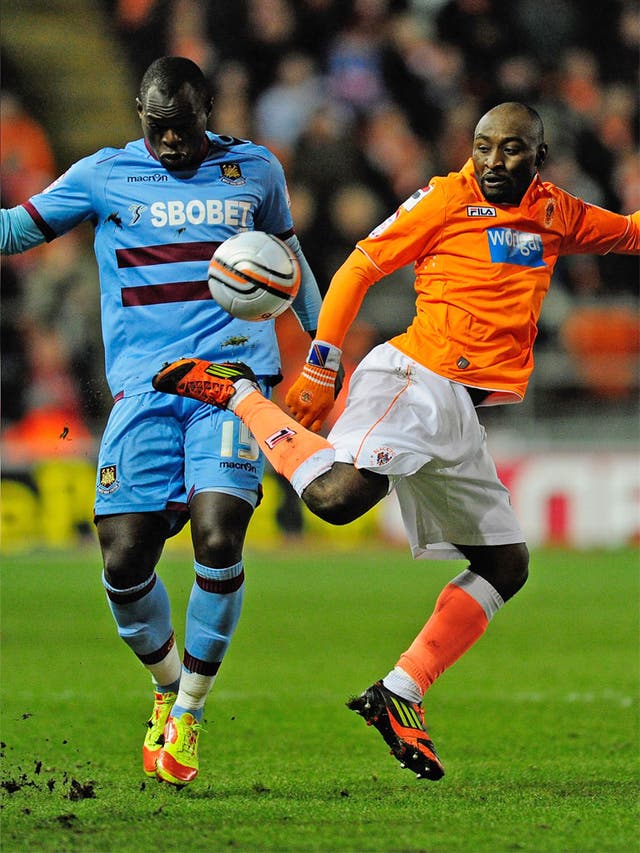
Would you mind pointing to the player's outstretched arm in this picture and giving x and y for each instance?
(18, 231)
(306, 305)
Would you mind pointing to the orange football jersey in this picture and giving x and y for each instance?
(481, 273)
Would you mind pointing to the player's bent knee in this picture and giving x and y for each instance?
(216, 547)
(521, 566)
(218, 527)
(323, 500)
(121, 571)
(506, 567)
(131, 546)
(513, 570)
(344, 493)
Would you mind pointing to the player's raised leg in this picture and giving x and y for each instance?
(286, 444)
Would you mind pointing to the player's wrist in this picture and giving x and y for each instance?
(324, 356)
(319, 375)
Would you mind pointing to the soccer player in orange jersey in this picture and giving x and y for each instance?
(484, 242)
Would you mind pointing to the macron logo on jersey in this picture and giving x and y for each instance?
(148, 179)
(508, 246)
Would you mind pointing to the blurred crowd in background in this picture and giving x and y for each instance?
(362, 101)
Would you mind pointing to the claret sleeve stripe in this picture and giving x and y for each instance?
(48, 232)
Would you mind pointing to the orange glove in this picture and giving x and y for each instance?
(312, 395)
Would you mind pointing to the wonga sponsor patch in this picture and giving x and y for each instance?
(507, 246)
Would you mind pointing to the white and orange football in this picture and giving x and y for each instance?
(254, 276)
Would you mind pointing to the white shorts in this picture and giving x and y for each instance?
(422, 431)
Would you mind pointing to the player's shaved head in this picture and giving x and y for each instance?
(169, 74)
(517, 115)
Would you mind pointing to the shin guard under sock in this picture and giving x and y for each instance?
(143, 617)
(461, 615)
(289, 447)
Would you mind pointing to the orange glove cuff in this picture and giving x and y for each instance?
(322, 375)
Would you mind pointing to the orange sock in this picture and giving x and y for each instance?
(285, 443)
(457, 621)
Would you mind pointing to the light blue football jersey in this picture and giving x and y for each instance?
(155, 232)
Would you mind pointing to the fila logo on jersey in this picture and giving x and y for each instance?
(480, 210)
(210, 211)
(508, 246)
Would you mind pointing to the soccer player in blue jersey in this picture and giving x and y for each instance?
(160, 206)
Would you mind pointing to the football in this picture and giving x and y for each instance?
(254, 276)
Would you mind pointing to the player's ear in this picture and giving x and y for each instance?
(139, 106)
(541, 156)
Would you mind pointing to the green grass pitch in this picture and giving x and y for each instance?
(537, 725)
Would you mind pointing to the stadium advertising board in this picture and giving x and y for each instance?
(575, 499)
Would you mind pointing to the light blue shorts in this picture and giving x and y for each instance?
(157, 451)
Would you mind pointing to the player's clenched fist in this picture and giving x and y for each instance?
(311, 397)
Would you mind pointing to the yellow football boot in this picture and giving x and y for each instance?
(178, 759)
(154, 738)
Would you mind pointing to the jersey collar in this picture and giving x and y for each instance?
(207, 144)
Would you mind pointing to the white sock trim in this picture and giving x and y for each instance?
(224, 574)
(243, 387)
(129, 590)
(481, 590)
(309, 470)
(401, 683)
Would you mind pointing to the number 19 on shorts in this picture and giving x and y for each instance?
(247, 446)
